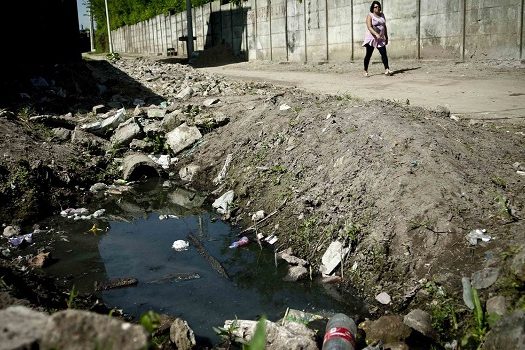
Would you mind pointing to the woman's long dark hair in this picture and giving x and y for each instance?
(373, 4)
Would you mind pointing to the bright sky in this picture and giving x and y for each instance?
(83, 18)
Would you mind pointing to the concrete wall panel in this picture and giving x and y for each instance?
(282, 30)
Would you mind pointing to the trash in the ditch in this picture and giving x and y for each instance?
(18, 240)
(169, 216)
(271, 239)
(180, 245)
(241, 242)
(474, 235)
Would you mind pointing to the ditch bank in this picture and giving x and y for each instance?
(403, 190)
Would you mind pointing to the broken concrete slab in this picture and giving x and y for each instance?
(333, 257)
(182, 137)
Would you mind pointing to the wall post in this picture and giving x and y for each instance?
(418, 28)
(462, 15)
(286, 27)
(269, 9)
(326, 24)
(521, 28)
(352, 30)
(305, 37)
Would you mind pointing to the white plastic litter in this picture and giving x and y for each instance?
(284, 107)
(477, 234)
(180, 245)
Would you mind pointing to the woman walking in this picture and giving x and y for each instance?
(376, 36)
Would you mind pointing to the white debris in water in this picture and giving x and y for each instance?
(168, 216)
(180, 245)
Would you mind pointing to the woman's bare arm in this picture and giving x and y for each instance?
(370, 27)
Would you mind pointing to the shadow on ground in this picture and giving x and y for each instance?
(76, 87)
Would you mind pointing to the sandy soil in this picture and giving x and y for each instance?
(488, 90)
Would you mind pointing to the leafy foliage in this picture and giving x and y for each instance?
(150, 321)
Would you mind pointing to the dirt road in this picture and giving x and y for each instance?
(478, 91)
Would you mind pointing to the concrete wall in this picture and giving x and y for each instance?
(333, 30)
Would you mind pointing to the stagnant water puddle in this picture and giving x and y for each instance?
(133, 242)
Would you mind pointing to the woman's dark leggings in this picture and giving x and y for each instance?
(382, 51)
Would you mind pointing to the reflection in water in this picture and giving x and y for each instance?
(138, 244)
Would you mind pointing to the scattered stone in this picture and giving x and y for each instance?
(518, 264)
(185, 94)
(11, 231)
(140, 145)
(76, 329)
(156, 113)
(164, 160)
(497, 305)
(388, 329)
(284, 107)
(182, 335)
(208, 123)
(62, 134)
(172, 120)
(295, 273)
(187, 172)
(112, 122)
(186, 198)
(508, 333)
(467, 292)
(22, 328)
(332, 257)
(99, 186)
(182, 137)
(384, 298)
(88, 140)
(223, 203)
(210, 101)
(420, 321)
(484, 278)
(287, 256)
(125, 133)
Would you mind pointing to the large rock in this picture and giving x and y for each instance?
(332, 257)
(518, 264)
(89, 140)
(10, 231)
(420, 321)
(61, 134)
(172, 120)
(182, 335)
(291, 336)
(125, 133)
(295, 273)
(186, 198)
(136, 165)
(76, 329)
(22, 328)
(497, 305)
(185, 94)
(183, 136)
(508, 333)
(187, 172)
(388, 329)
(484, 278)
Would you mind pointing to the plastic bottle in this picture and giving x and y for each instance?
(340, 333)
(243, 241)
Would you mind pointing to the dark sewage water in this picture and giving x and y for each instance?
(132, 241)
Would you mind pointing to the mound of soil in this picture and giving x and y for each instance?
(402, 186)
